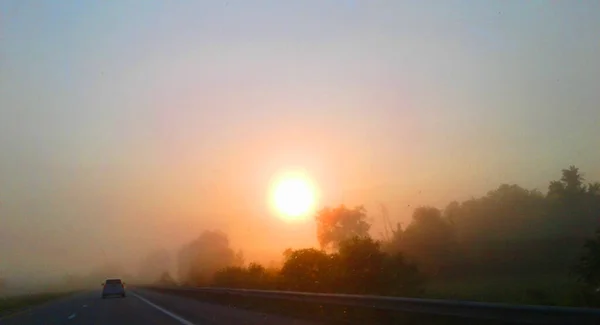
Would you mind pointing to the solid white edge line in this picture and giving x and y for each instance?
(174, 316)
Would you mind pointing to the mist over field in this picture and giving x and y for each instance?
(135, 134)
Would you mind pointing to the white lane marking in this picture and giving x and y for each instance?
(72, 316)
(176, 317)
(84, 306)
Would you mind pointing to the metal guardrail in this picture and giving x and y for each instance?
(519, 314)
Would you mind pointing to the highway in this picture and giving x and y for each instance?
(140, 307)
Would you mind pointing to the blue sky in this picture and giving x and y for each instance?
(159, 114)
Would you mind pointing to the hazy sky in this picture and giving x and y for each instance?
(132, 125)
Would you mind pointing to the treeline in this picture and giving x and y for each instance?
(359, 266)
(511, 231)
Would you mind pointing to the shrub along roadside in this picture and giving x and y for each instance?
(360, 267)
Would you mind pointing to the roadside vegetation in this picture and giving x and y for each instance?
(512, 245)
(12, 304)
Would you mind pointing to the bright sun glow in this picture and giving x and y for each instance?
(294, 196)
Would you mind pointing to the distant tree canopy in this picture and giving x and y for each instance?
(511, 230)
(339, 224)
(429, 239)
(504, 213)
(573, 206)
(154, 265)
(201, 258)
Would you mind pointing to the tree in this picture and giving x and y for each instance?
(513, 231)
(572, 180)
(309, 270)
(201, 258)
(360, 262)
(339, 224)
(569, 189)
(588, 268)
(364, 268)
(556, 190)
(452, 211)
(359, 267)
(403, 278)
(239, 259)
(593, 202)
(572, 206)
(594, 189)
(287, 253)
(154, 265)
(429, 239)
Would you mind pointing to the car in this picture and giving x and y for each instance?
(113, 287)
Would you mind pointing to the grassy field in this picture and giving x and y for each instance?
(552, 290)
(11, 304)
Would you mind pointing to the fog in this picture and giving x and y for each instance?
(127, 130)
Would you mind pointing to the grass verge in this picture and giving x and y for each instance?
(549, 290)
(12, 304)
(324, 314)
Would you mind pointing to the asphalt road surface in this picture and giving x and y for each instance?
(141, 307)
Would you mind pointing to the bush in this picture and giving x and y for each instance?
(365, 269)
(360, 267)
(309, 269)
(255, 276)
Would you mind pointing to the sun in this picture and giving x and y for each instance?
(293, 196)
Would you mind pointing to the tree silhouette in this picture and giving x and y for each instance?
(572, 180)
(360, 267)
(365, 269)
(588, 269)
(339, 224)
(594, 188)
(201, 258)
(360, 263)
(154, 265)
(239, 259)
(429, 239)
(572, 206)
(309, 270)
